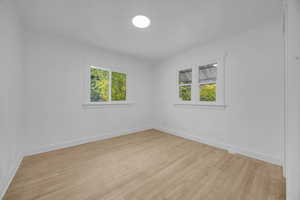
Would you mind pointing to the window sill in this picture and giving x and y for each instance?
(198, 105)
(105, 105)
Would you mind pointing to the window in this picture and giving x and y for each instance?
(207, 82)
(118, 86)
(202, 84)
(99, 85)
(107, 85)
(185, 84)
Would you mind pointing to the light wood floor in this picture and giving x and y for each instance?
(143, 166)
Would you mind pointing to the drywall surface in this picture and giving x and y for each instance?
(252, 122)
(55, 91)
(11, 87)
(293, 101)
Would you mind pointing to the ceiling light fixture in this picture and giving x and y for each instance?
(141, 21)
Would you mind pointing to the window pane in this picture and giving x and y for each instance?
(208, 73)
(185, 76)
(118, 88)
(185, 93)
(99, 85)
(207, 92)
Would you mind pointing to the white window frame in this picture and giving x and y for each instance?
(185, 84)
(87, 88)
(220, 89)
(220, 83)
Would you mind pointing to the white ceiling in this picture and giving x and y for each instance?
(176, 25)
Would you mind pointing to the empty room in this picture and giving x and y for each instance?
(149, 100)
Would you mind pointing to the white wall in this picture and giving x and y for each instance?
(11, 91)
(252, 122)
(293, 101)
(52, 94)
(55, 70)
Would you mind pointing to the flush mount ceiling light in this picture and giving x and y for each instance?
(141, 21)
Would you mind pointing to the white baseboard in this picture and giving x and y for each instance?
(258, 156)
(11, 175)
(194, 138)
(75, 142)
(230, 148)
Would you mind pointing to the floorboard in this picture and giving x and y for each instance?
(148, 165)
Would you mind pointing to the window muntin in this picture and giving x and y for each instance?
(107, 86)
(185, 84)
(207, 79)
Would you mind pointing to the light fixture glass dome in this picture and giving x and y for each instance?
(141, 21)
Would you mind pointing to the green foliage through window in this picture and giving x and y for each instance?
(207, 92)
(100, 84)
(118, 88)
(185, 93)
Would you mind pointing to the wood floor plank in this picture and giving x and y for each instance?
(149, 165)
